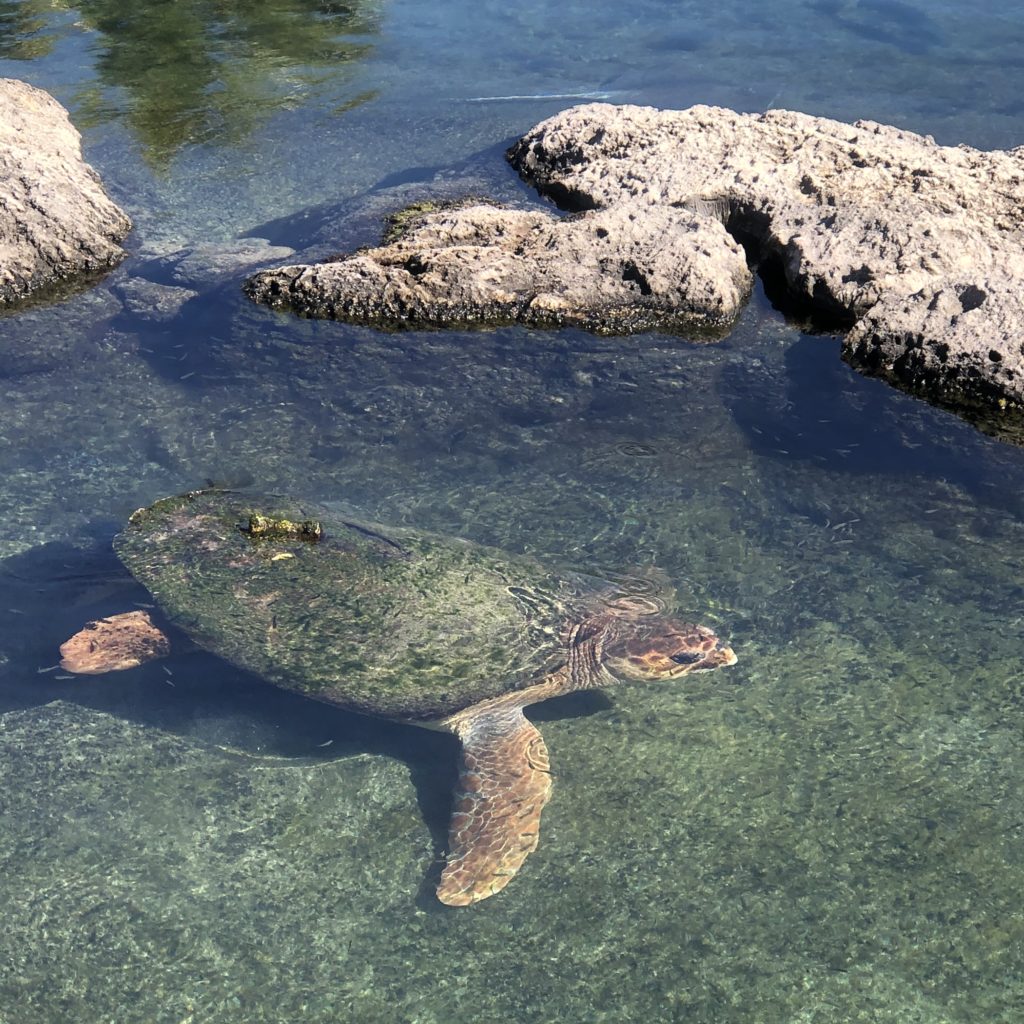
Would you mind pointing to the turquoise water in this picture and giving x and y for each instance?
(830, 831)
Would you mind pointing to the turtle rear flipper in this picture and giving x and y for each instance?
(113, 644)
(504, 783)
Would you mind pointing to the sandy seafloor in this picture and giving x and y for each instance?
(830, 831)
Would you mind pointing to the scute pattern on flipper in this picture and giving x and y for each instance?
(504, 783)
(113, 644)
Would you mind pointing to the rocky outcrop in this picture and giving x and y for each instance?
(608, 271)
(913, 250)
(544, 271)
(56, 222)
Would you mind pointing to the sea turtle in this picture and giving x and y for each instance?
(403, 625)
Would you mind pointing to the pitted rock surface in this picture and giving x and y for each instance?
(914, 250)
(56, 221)
(611, 271)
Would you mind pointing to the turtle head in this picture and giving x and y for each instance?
(652, 647)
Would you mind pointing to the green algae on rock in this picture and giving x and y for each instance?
(403, 220)
(270, 528)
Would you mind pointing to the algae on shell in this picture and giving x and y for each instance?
(388, 621)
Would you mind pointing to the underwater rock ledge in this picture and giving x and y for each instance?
(56, 221)
(911, 249)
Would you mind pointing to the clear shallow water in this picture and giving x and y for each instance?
(830, 831)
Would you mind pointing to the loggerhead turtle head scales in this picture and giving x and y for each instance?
(663, 648)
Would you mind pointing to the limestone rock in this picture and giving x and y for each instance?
(913, 250)
(56, 222)
(607, 271)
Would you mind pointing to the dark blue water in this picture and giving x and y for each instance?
(831, 831)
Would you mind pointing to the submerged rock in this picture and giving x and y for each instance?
(910, 248)
(161, 284)
(208, 264)
(56, 222)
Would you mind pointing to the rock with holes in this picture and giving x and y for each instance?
(56, 222)
(913, 250)
(400, 624)
(618, 271)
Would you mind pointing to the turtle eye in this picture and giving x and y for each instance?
(685, 658)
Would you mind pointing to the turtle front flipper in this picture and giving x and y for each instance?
(114, 644)
(504, 783)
